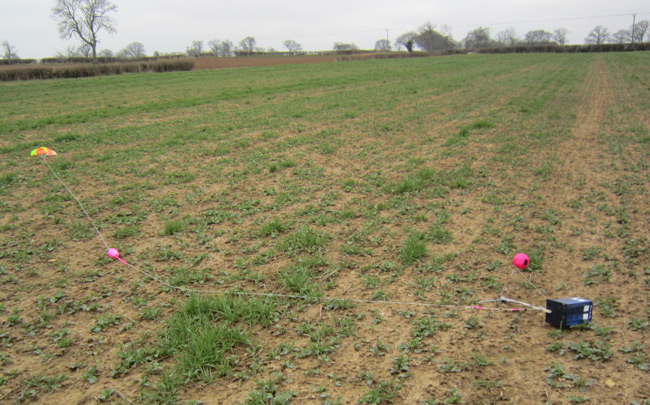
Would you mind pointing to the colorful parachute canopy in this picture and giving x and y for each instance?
(43, 152)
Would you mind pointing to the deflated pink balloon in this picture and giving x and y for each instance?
(113, 253)
(521, 260)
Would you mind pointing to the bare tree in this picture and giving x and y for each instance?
(226, 48)
(292, 46)
(599, 35)
(478, 38)
(70, 51)
(445, 30)
(134, 50)
(508, 37)
(8, 51)
(430, 40)
(214, 46)
(198, 45)
(248, 44)
(196, 49)
(559, 35)
(84, 19)
(382, 45)
(85, 51)
(105, 53)
(538, 37)
(620, 37)
(501, 38)
(342, 46)
(221, 48)
(639, 30)
(407, 40)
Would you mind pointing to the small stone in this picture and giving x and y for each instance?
(609, 383)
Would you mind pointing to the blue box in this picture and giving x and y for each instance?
(569, 311)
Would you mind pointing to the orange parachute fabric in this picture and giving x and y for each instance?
(43, 152)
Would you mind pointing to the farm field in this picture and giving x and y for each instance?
(225, 63)
(316, 233)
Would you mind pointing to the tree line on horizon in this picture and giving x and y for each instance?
(83, 20)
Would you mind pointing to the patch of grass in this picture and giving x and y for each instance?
(557, 378)
(150, 313)
(607, 306)
(129, 231)
(634, 247)
(80, 230)
(268, 392)
(590, 253)
(106, 320)
(90, 375)
(61, 338)
(638, 357)
(173, 227)
(413, 183)
(449, 366)
(460, 138)
(636, 324)
(304, 240)
(599, 271)
(283, 164)
(298, 278)
(106, 394)
(7, 179)
(46, 383)
(204, 332)
(439, 234)
(594, 351)
(427, 326)
(506, 246)
(544, 171)
(413, 249)
(384, 392)
(337, 304)
(272, 228)
(473, 322)
(323, 340)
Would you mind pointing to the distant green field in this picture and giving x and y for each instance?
(294, 216)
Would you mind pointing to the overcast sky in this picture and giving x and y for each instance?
(171, 26)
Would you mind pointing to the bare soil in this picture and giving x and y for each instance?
(250, 61)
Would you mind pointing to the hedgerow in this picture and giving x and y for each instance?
(42, 72)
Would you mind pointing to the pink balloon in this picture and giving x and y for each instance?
(521, 260)
(113, 253)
